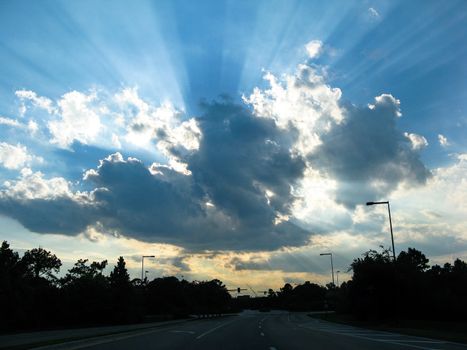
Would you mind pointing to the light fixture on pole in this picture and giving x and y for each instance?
(390, 225)
(142, 265)
(332, 265)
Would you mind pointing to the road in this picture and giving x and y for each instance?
(256, 330)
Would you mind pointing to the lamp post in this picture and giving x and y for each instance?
(332, 265)
(390, 225)
(142, 265)
(337, 277)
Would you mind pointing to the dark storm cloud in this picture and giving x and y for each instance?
(240, 158)
(61, 215)
(244, 169)
(367, 155)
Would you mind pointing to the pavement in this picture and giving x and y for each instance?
(20, 340)
(275, 330)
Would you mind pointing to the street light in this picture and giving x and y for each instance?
(142, 265)
(332, 265)
(337, 277)
(390, 225)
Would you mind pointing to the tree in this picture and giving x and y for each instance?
(11, 286)
(119, 277)
(41, 263)
(8, 258)
(413, 259)
(373, 285)
(85, 293)
(121, 293)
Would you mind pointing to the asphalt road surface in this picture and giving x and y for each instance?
(256, 330)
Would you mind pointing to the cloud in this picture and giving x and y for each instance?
(367, 155)
(418, 141)
(37, 101)
(46, 205)
(292, 162)
(76, 120)
(373, 14)
(16, 157)
(32, 126)
(163, 126)
(314, 48)
(360, 148)
(443, 141)
(303, 102)
(9, 122)
(243, 168)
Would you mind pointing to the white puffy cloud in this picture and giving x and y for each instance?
(10, 122)
(418, 141)
(31, 125)
(37, 101)
(35, 186)
(118, 120)
(16, 157)
(162, 125)
(443, 141)
(302, 101)
(76, 120)
(314, 48)
(387, 100)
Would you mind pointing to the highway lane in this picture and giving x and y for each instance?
(256, 330)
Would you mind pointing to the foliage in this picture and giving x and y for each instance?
(32, 297)
(41, 263)
(407, 288)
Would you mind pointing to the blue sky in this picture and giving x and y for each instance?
(83, 80)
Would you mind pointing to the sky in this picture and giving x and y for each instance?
(233, 139)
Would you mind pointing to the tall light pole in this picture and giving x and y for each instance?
(332, 265)
(337, 277)
(390, 225)
(142, 265)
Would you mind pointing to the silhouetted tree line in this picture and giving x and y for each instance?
(303, 297)
(32, 297)
(408, 288)
(381, 289)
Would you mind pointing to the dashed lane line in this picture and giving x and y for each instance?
(215, 328)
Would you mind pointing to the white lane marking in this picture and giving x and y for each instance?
(272, 348)
(214, 329)
(371, 334)
(189, 332)
(420, 341)
(262, 334)
(388, 341)
(414, 346)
